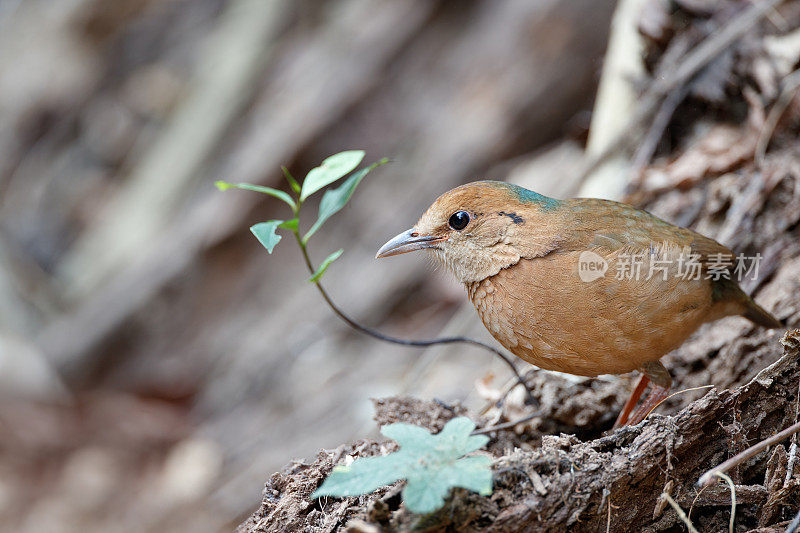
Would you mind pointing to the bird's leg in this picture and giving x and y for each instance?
(655, 372)
(622, 419)
(662, 382)
(657, 394)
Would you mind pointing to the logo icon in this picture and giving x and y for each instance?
(591, 266)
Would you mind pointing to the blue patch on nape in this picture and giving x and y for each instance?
(528, 196)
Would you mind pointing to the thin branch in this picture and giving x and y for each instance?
(715, 44)
(689, 516)
(506, 425)
(708, 478)
(512, 384)
(694, 61)
(405, 342)
(680, 512)
(675, 394)
(729, 481)
(791, 84)
(654, 134)
(793, 527)
(793, 447)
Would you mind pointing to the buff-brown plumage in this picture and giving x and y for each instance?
(519, 257)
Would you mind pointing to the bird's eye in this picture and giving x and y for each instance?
(459, 220)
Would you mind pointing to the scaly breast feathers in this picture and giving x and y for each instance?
(542, 312)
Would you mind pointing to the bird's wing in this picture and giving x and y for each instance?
(604, 225)
(611, 228)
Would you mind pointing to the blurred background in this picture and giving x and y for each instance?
(156, 365)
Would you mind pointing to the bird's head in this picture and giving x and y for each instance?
(477, 229)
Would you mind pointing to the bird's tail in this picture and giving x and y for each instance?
(757, 314)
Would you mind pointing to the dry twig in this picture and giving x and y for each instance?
(688, 67)
(795, 524)
(729, 481)
(707, 478)
(675, 394)
(506, 425)
(790, 86)
(793, 447)
(680, 512)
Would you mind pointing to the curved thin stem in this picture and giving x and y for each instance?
(405, 342)
(506, 425)
(739, 458)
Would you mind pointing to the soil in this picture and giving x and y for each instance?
(563, 483)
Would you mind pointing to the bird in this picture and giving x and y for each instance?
(583, 286)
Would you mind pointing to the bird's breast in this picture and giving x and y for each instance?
(545, 313)
(494, 311)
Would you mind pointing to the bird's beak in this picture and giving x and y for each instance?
(408, 241)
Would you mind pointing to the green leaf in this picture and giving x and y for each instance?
(427, 489)
(331, 169)
(431, 465)
(457, 434)
(224, 186)
(324, 265)
(265, 233)
(364, 475)
(292, 182)
(290, 224)
(335, 199)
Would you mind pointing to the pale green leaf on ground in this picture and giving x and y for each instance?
(427, 488)
(409, 437)
(324, 265)
(364, 475)
(224, 186)
(265, 233)
(457, 434)
(430, 464)
(335, 199)
(331, 169)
